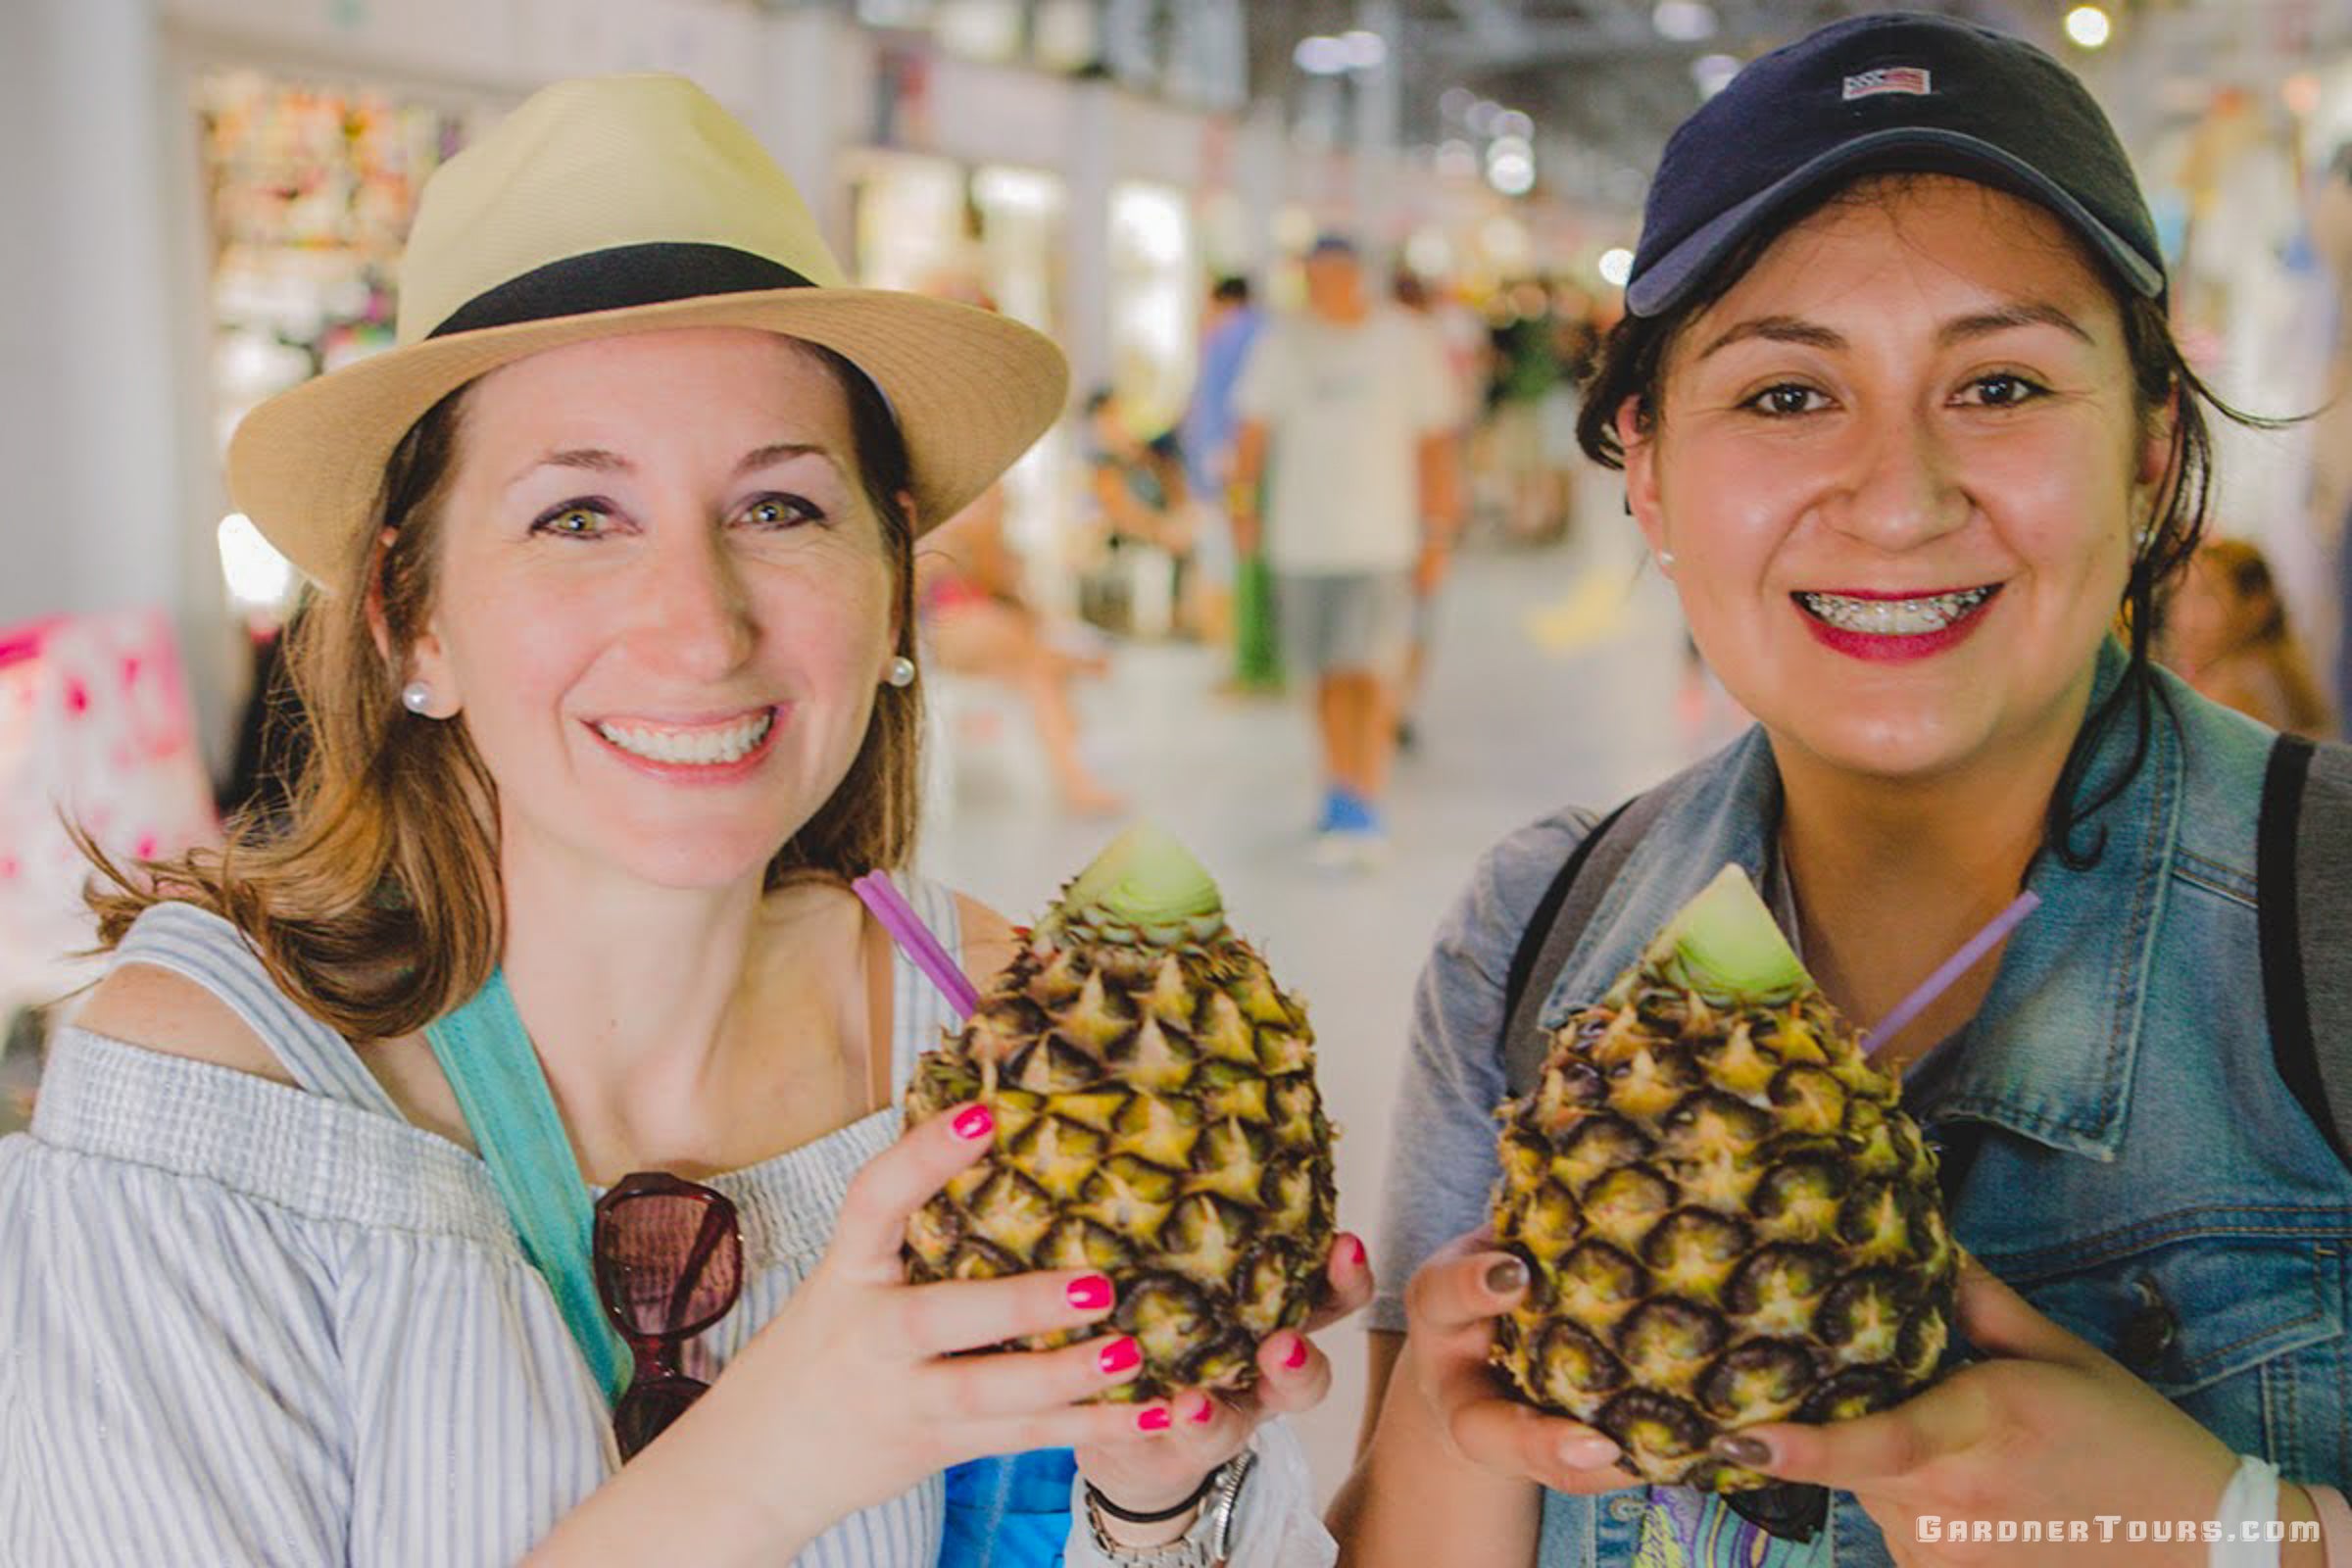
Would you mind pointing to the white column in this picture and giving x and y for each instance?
(97, 165)
(1090, 170)
(1379, 119)
(808, 103)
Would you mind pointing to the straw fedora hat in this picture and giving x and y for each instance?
(615, 205)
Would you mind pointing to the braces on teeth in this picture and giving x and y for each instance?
(1894, 617)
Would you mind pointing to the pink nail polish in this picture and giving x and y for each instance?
(1155, 1419)
(1356, 1247)
(973, 1123)
(1118, 1357)
(1296, 1356)
(1206, 1414)
(1090, 1294)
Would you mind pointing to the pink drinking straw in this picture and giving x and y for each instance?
(1951, 969)
(915, 940)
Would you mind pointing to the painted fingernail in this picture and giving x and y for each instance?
(1356, 1249)
(1507, 1277)
(973, 1123)
(1589, 1452)
(1090, 1294)
(1119, 1355)
(1206, 1414)
(1296, 1357)
(1155, 1419)
(1754, 1452)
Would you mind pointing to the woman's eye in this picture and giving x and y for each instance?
(2001, 391)
(1787, 398)
(780, 512)
(574, 520)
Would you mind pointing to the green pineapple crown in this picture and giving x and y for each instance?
(1146, 889)
(1726, 946)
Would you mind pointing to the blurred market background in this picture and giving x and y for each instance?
(206, 199)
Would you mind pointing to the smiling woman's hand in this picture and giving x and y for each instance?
(1451, 1305)
(2051, 1429)
(863, 1385)
(1144, 1474)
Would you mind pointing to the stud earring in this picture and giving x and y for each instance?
(902, 672)
(416, 697)
(1665, 560)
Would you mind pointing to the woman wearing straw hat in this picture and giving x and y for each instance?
(1901, 417)
(612, 693)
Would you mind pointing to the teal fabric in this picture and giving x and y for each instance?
(1010, 1512)
(497, 1078)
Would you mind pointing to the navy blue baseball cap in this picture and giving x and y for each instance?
(1894, 91)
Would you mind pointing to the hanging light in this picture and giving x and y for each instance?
(259, 579)
(1713, 73)
(1684, 21)
(2089, 26)
(1320, 56)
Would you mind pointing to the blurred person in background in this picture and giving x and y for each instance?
(1141, 502)
(1229, 325)
(1348, 420)
(1575, 341)
(2331, 426)
(1429, 301)
(1903, 418)
(612, 693)
(1526, 375)
(2225, 632)
(979, 623)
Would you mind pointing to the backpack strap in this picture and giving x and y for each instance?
(2303, 882)
(1558, 923)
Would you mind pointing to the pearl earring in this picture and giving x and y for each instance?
(1665, 560)
(902, 672)
(416, 697)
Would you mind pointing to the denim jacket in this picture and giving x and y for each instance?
(2144, 1178)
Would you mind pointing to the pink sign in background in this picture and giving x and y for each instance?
(95, 726)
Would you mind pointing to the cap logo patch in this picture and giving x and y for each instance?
(1913, 79)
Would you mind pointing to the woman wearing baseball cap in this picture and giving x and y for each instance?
(612, 690)
(1901, 417)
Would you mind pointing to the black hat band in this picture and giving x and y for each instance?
(618, 278)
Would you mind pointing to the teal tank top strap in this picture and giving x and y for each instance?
(501, 1087)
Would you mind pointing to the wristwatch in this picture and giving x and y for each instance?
(1208, 1543)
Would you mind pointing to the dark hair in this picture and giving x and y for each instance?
(1631, 366)
(375, 905)
(1231, 290)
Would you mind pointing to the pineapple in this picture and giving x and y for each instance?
(1726, 1217)
(1157, 1121)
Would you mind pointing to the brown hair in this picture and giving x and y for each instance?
(376, 906)
(1632, 369)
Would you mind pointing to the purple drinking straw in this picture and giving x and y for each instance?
(1951, 969)
(915, 939)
